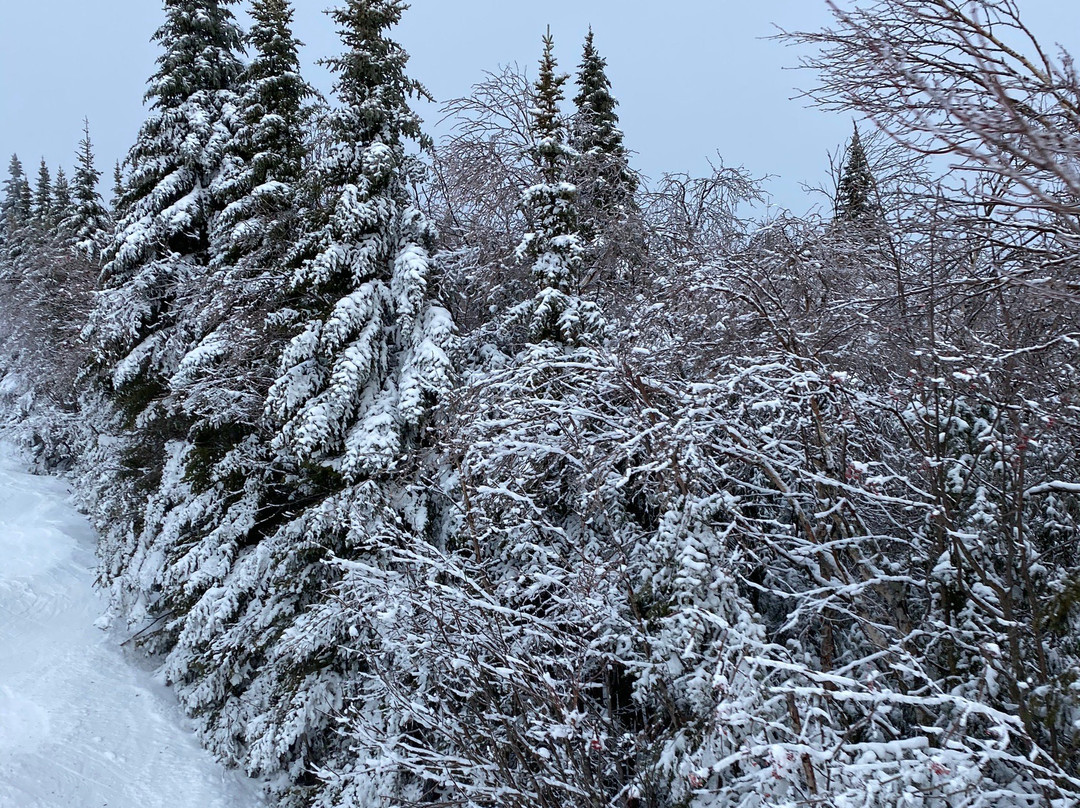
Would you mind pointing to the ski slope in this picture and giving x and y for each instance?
(80, 725)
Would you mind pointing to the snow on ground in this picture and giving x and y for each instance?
(80, 725)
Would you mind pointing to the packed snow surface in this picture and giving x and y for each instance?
(80, 725)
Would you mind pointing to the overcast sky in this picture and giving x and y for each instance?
(694, 77)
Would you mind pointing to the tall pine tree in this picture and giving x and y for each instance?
(217, 491)
(155, 263)
(554, 243)
(89, 222)
(61, 199)
(855, 192)
(356, 388)
(17, 202)
(358, 380)
(250, 236)
(15, 215)
(608, 214)
(162, 239)
(597, 139)
(239, 536)
(43, 194)
(118, 187)
(267, 163)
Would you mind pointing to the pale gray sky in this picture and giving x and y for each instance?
(694, 77)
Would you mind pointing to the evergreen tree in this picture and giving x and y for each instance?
(118, 187)
(89, 221)
(154, 264)
(597, 137)
(15, 214)
(855, 191)
(260, 185)
(609, 219)
(256, 227)
(43, 193)
(162, 238)
(223, 474)
(17, 199)
(554, 244)
(360, 376)
(44, 297)
(549, 147)
(250, 236)
(355, 392)
(61, 200)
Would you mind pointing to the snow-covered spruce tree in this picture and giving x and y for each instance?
(596, 132)
(43, 195)
(16, 202)
(214, 391)
(117, 188)
(15, 209)
(353, 398)
(358, 380)
(138, 330)
(162, 240)
(17, 199)
(269, 150)
(88, 223)
(17, 240)
(609, 219)
(61, 200)
(219, 493)
(215, 494)
(855, 190)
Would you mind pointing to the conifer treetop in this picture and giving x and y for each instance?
(596, 124)
(43, 192)
(89, 221)
(86, 174)
(855, 191)
(15, 167)
(372, 82)
(118, 180)
(17, 198)
(271, 34)
(61, 201)
(548, 125)
(274, 93)
(355, 384)
(554, 244)
(365, 170)
(608, 185)
(162, 234)
(180, 146)
(265, 162)
(200, 40)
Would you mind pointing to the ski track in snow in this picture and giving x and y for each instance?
(81, 726)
